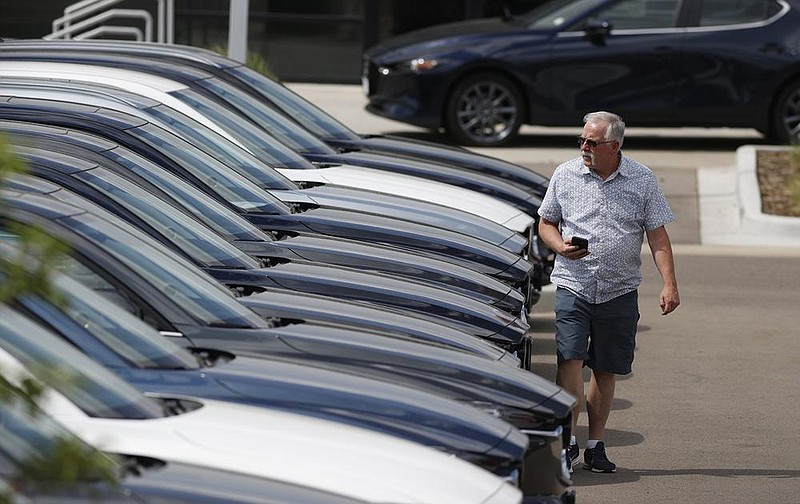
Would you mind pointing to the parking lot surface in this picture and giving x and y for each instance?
(710, 412)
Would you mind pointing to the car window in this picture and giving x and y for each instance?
(214, 214)
(271, 121)
(638, 14)
(91, 387)
(729, 12)
(556, 13)
(249, 135)
(185, 233)
(305, 113)
(233, 187)
(125, 335)
(199, 294)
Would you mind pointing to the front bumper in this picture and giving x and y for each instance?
(545, 477)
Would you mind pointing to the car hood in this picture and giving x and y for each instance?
(439, 243)
(389, 322)
(446, 33)
(457, 375)
(384, 407)
(420, 190)
(444, 371)
(363, 257)
(346, 283)
(156, 479)
(519, 175)
(488, 186)
(341, 459)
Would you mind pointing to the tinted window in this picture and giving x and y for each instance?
(195, 292)
(207, 210)
(639, 14)
(249, 135)
(125, 335)
(88, 385)
(728, 12)
(308, 115)
(556, 13)
(184, 232)
(223, 149)
(223, 180)
(274, 123)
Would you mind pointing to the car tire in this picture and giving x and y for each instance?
(484, 110)
(786, 115)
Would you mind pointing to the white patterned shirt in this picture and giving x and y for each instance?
(613, 214)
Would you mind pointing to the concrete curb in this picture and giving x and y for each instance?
(730, 206)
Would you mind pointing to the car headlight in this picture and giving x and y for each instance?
(521, 419)
(419, 65)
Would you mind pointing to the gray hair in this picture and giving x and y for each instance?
(616, 126)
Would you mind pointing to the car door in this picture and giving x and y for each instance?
(732, 54)
(622, 56)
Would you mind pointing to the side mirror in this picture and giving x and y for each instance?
(597, 31)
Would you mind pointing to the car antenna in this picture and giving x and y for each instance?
(507, 13)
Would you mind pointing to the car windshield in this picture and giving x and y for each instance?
(555, 13)
(212, 143)
(294, 106)
(247, 133)
(205, 209)
(95, 390)
(30, 434)
(271, 121)
(200, 295)
(192, 238)
(111, 328)
(222, 180)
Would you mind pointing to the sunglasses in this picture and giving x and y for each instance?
(591, 143)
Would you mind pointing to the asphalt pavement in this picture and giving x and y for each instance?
(711, 411)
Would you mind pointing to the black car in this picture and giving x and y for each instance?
(710, 63)
(198, 313)
(29, 436)
(298, 139)
(277, 308)
(90, 186)
(153, 364)
(259, 206)
(243, 234)
(274, 94)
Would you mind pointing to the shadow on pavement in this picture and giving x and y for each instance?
(583, 478)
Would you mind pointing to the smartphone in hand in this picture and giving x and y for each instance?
(581, 243)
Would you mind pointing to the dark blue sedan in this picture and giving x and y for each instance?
(666, 63)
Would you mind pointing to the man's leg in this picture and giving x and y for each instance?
(598, 406)
(599, 397)
(570, 377)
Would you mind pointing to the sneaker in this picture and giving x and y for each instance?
(595, 460)
(573, 454)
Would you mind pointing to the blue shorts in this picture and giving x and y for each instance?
(602, 335)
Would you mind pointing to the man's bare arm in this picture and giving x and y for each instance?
(549, 232)
(661, 248)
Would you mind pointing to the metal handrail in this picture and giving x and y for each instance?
(66, 26)
(135, 32)
(104, 16)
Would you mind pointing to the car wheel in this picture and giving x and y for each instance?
(484, 110)
(786, 115)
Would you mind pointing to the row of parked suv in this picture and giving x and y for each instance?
(258, 304)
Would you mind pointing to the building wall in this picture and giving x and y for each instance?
(309, 40)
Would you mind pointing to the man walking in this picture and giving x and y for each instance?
(596, 211)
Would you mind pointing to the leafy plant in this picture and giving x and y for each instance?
(793, 185)
(71, 461)
(253, 61)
